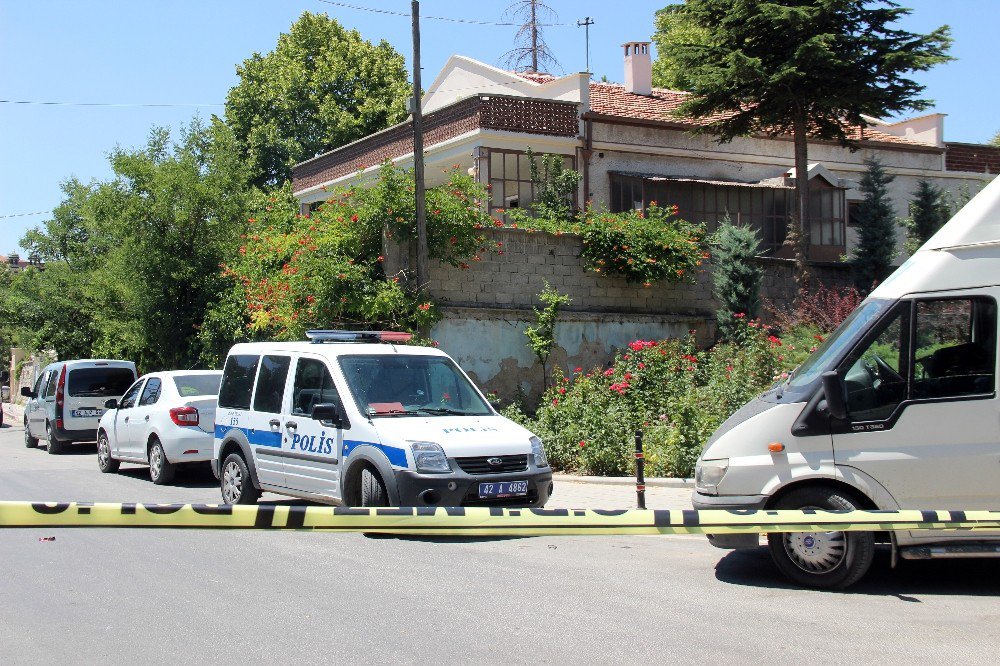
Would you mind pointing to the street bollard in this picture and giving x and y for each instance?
(640, 477)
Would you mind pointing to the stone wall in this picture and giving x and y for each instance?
(487, 307)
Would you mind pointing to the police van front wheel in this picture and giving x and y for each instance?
(826, 560)
(237, 486)
(373, 491)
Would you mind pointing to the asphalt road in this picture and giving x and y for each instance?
(162, 596)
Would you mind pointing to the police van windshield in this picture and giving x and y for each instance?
(837, 343)
(385, 386)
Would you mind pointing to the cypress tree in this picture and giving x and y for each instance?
(928, 212)
(737, 276)
(876, 223)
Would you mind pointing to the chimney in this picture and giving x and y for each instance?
(638, 68)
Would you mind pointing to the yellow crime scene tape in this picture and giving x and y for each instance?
(482, 521)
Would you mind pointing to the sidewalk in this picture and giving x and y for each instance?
(12, 414)
(581, 492)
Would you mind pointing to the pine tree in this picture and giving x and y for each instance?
(876, 223)
(737, 276)
(814, 69)
(929, 210)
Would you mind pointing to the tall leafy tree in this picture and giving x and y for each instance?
(876, 224)
(321, 87)
(809, 68)
(929, 210)
(671, 27)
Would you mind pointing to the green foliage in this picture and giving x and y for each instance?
(555, 186)
(995, 141)
(737, 277)
(321, 87)
(811, 68)
(676, 394)
(541, 335)
(295, 272)
(929, 210)
(876, 225)
(672, 27)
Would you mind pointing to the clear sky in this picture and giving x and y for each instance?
(185, 52)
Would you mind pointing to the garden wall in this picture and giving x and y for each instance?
(487, 307)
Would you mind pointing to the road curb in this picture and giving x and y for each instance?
(624, 481)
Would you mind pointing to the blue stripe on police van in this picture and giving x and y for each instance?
(396, 456)
(255, 437)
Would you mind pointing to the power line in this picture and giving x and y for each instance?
(376, 10)
(122, 104)
(39, 212)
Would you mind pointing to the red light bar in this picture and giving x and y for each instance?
(395, 336)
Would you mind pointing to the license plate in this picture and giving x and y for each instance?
(503, 489)
(82, 413)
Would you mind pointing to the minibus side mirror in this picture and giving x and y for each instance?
(27, 392)
(834, 389)
(328, 412)
(111, 404)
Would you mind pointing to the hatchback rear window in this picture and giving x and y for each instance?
(100, 382)
(188, 385)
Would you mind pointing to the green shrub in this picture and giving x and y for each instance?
(737, 277)
(676, 394)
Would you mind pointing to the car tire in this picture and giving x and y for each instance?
(373, 491)
(161, 470)
(236, 483)
(53, 446)
(105, 462)
(29, 441)
(823, 560)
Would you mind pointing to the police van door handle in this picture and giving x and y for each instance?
(274, 423)
(292, 425)
(147, 417)
(126, 419)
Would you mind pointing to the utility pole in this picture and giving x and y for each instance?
(534, 38)
(586, 23)
(418, 154)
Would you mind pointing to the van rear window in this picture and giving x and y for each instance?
(237, 381)
(189, 385)
(101, 382)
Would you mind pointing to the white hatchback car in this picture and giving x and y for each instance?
(164, 420)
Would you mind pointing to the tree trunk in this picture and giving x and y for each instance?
(534, 39)
(800, 219)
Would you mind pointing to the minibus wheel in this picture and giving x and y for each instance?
(826, 560)
(373, 491)
(237, 486)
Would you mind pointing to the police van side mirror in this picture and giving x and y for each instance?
(111, 404)
(834, 389)
(28, 393)
(328, 412)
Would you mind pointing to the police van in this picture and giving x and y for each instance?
(356, 418)
(897, 409)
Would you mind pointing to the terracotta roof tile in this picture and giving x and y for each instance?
(612, 100)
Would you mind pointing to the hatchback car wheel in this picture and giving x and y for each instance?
(104, 460)
(161, 470)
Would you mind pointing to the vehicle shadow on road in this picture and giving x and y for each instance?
(193, 477)
(971, 577)
(73, 449)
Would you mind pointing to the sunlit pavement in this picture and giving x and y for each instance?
(159, 596)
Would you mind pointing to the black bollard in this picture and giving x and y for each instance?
(640, 477)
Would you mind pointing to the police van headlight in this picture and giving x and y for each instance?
(708, 474)
(538, 452)
(429, 457)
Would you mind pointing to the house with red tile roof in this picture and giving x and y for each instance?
(632, 150)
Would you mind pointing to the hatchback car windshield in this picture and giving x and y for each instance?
(197, 384)
(385, 385)
(99, 382)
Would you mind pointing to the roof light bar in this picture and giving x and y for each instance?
(321, 336)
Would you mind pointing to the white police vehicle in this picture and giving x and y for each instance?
(352, 418)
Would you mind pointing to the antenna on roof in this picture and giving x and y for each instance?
(586, 23)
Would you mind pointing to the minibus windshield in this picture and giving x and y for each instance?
(837, 343)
